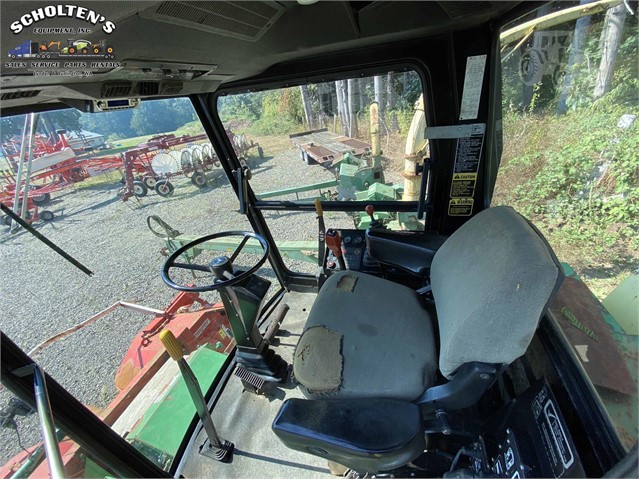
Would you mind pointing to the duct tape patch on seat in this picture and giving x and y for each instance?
(317, 364)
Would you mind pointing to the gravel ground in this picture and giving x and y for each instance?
(43, 294)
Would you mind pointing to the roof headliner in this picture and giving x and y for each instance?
(297, 32)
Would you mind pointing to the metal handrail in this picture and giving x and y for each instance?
(43, 405)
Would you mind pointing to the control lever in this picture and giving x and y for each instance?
(275, 323)
(370, 211)
(321, 245)
(334, 243)
(214, 447)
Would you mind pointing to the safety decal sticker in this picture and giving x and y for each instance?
(460, 206)
(465, 172)
(463, 185)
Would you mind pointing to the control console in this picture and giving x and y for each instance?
(354, 252)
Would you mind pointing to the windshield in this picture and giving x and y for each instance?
(117, 191)
(358, 139)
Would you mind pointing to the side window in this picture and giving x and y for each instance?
(571, 133)
(570, 164)
(340, 140)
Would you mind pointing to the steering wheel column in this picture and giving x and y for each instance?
(243, 303)
(242, 293)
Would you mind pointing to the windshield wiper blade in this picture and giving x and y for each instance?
(45, 240)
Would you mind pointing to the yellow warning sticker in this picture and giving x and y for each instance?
(463, 185)
(460, 206)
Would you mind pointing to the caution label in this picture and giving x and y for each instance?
(463, 185)
(460, 206)
(465, 171)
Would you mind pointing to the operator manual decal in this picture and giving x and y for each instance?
(464, 181)
(473, 81)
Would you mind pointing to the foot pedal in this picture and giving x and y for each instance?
(251, 382)
(224, 453)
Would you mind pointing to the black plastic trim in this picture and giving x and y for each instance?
(606, 444)
(467, 386)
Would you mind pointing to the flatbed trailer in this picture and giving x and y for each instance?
(325, 147)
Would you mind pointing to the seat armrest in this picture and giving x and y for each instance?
(465, 388)
(410, 251)
(367, 435)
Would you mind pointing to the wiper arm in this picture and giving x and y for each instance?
(45, 240)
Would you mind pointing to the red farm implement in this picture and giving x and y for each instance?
(152, 164)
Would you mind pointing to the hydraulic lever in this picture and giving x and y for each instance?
(370, 211)
(424, 169)
(43, 405)
(334, 243)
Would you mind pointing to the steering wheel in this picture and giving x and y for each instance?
(221, 266)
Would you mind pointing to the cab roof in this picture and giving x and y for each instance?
(181, 48)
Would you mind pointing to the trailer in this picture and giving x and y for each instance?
(34, 201)
(325, 147)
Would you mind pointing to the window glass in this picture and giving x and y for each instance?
(327, 140)
(571, 136)
(98, 184)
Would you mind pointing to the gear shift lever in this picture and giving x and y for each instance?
(370, 211)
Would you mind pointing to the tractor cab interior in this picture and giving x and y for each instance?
(422, 340)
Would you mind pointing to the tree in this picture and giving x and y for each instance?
(11, 126)
(611, 38)
(361, 85)
(114, 124)
(306, 102)
(342, 107)
(390, 91)
(352, 108)
(575, 58)
(68, 119)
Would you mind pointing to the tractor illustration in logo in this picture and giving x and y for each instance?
(546, 56)
(85, 47)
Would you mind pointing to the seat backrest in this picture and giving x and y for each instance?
(491, 280)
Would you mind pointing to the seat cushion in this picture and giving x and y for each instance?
(366, 337)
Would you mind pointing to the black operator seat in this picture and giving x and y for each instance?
(368, 345)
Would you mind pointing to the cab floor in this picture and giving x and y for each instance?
(245, 419)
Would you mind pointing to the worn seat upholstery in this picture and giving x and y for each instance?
(367, 337)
